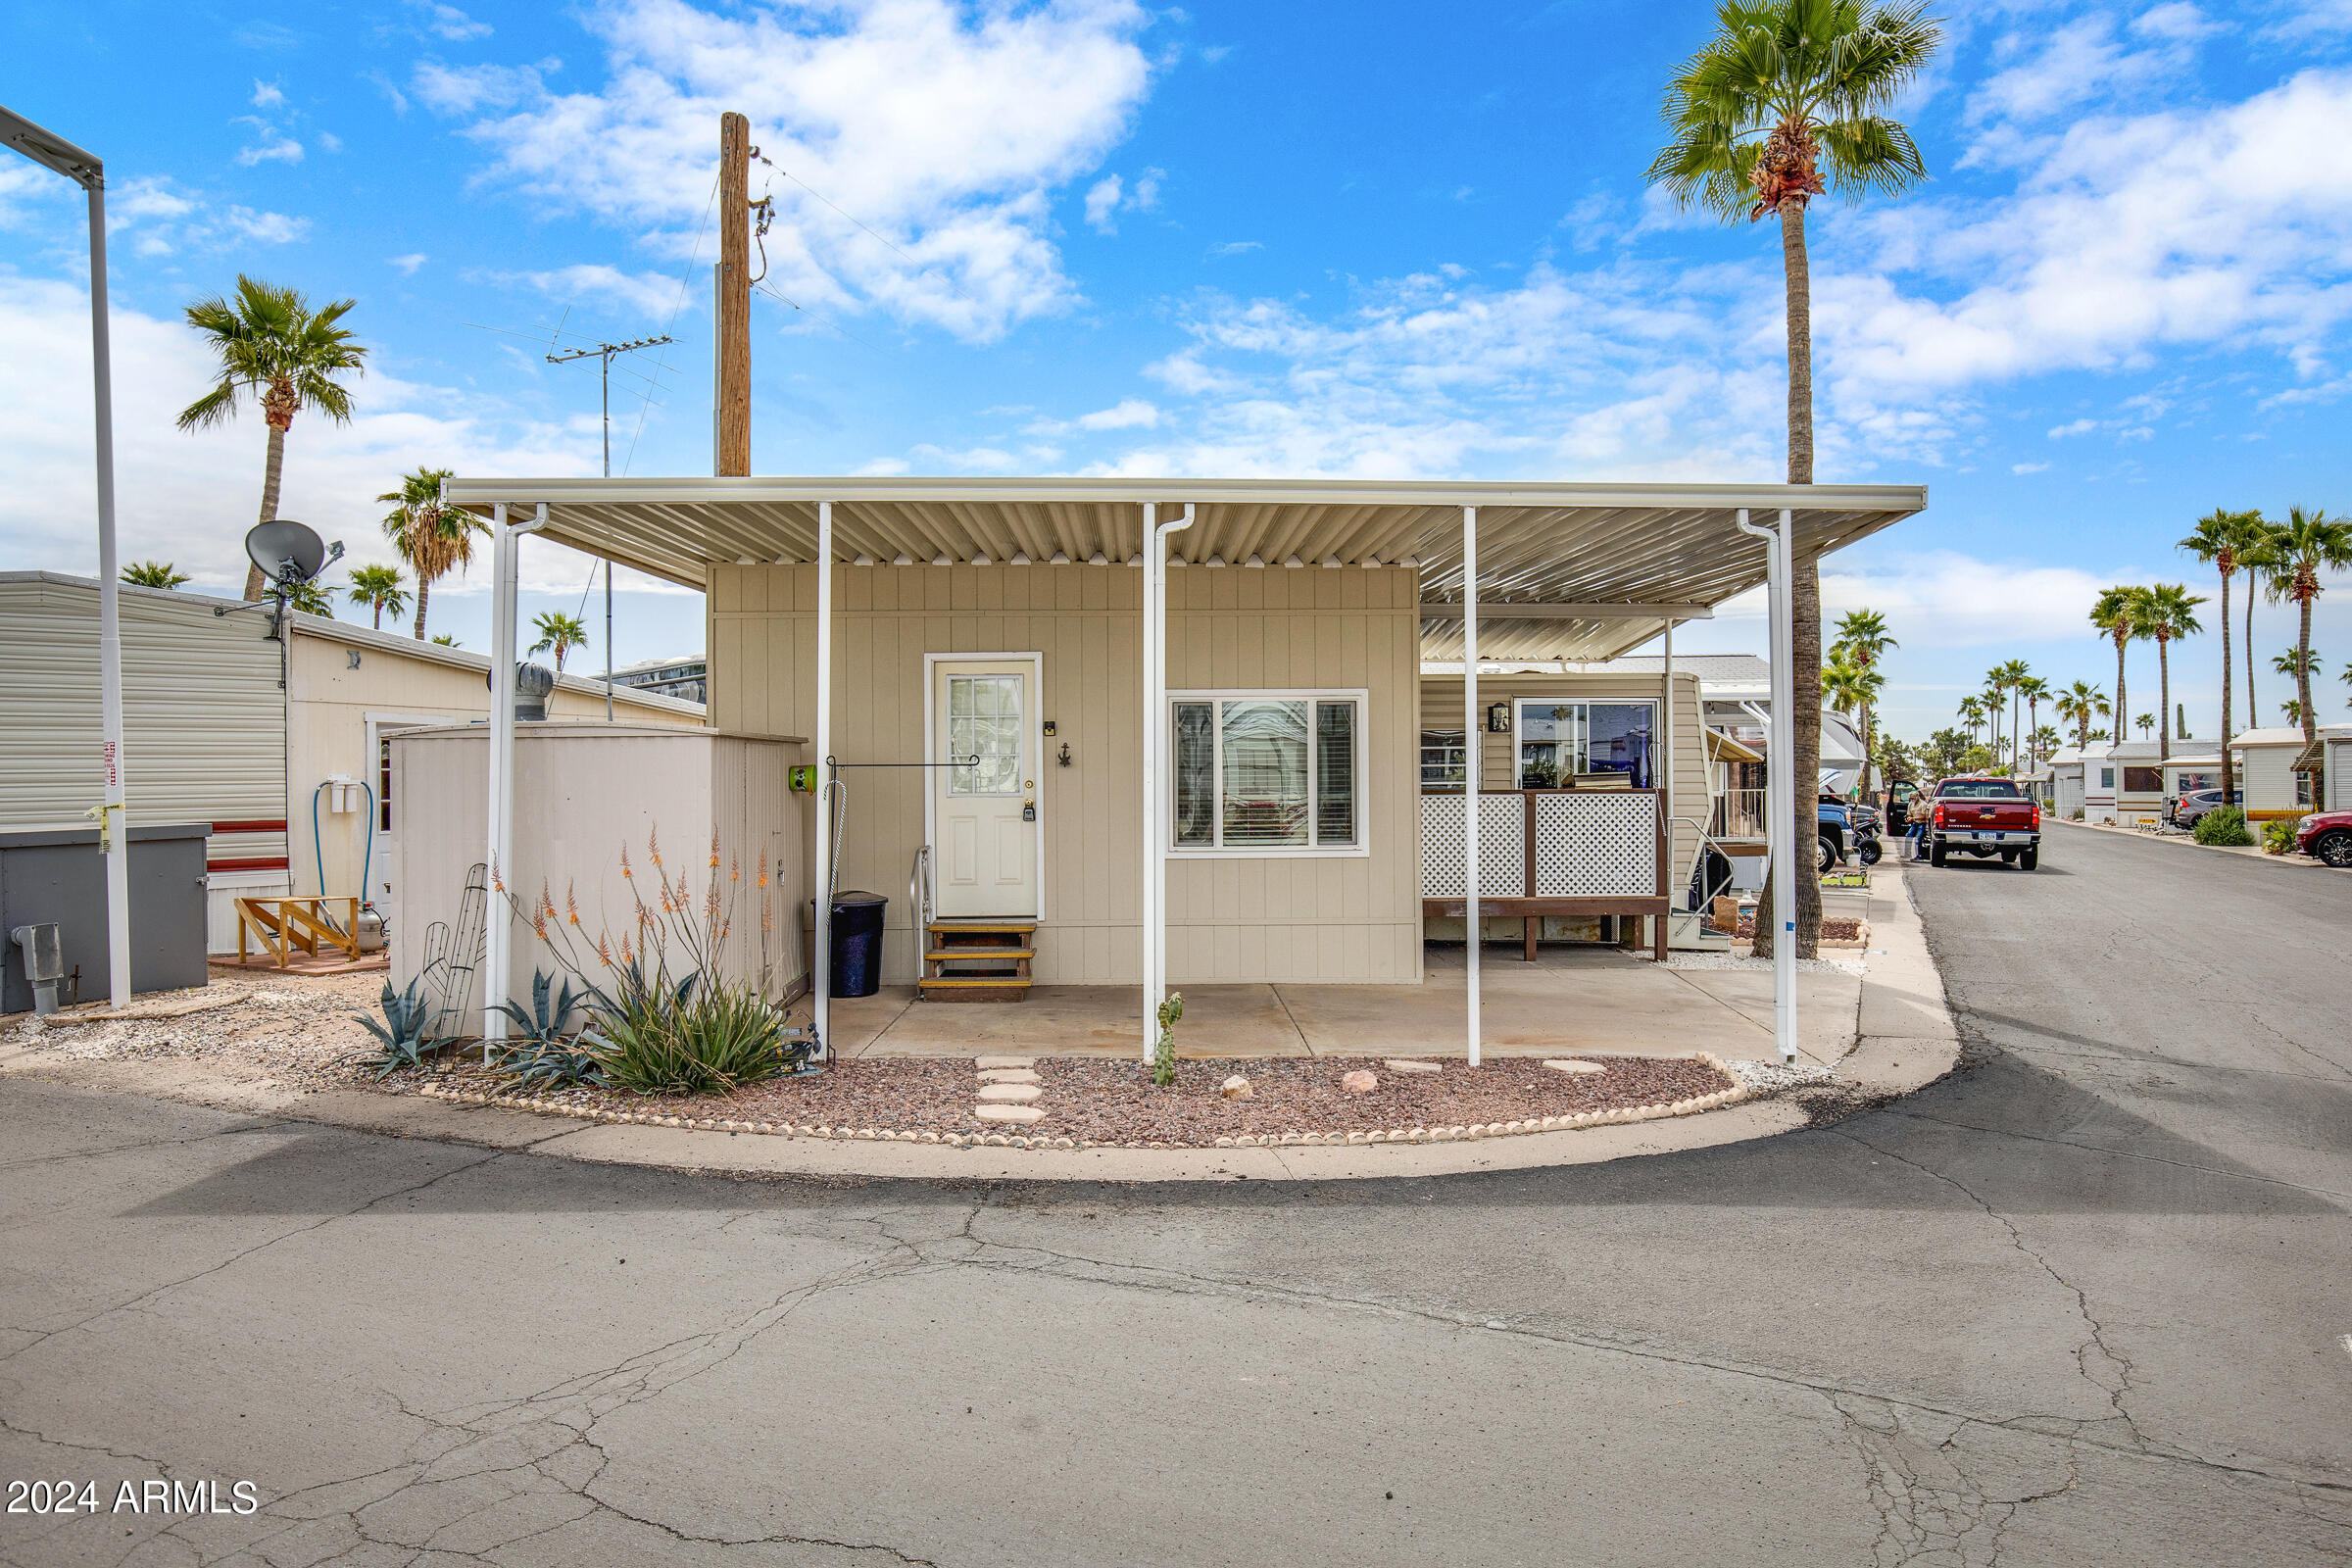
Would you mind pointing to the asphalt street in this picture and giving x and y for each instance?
(2085, 1301)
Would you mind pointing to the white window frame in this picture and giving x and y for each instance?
(1362, 849)
(1520, 705)
(1460, 742)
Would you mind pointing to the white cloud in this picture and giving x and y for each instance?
(270, 145)
(2059, 432)
(2085, 60)
(647, 293)
(2222, 226)
(328, 141)
(1130, 414)
(268, 228)
(944, 128)
(1102, 201)
(268, 94)
(1946, 598)
(448, 22)
(1237, 247)
(189, 498)
(2029, 468)
(156, 217)
(408, 263)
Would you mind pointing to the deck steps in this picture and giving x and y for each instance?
(977, 960)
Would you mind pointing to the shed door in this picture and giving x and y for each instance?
(984, 814)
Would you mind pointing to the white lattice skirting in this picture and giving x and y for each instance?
(1501, 847)
(1598, 845)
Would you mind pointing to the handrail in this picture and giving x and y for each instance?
(919, 891)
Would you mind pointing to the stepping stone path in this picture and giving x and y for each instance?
(1006, 1085)
(1572, 1064)
(1410, 1064)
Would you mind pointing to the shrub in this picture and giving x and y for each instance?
(657, 1035)
(2224, 826)
(405, 1038)
(2278, 835)
(1164, 1051)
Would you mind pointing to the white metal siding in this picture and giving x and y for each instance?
(203, 718)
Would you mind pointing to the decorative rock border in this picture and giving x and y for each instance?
(1692, 1106)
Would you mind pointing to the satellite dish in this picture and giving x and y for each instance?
(286, 551)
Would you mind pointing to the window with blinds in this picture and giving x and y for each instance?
(1267, 772)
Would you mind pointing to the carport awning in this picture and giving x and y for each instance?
(1590, 568)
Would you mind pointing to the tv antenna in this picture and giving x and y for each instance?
(604, 354)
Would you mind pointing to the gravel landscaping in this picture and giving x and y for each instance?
(1106, 1102)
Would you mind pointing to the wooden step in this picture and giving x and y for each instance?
(979, 927)
(976, 951)
(974, 988)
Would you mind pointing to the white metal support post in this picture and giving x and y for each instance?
(820, 973)
(1781, 792)
(1157, 745)
(1474, 734)
(60, 156)
(1663, 762)
(498, 933)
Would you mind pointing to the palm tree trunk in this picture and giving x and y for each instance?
(2228, 774)
(2253, 704)
(2015, 734)
(424, 586)
(2303, 674)
(1804, 622)
(379, 614)
(2164, 701)
(2122, 708)
(272, 466)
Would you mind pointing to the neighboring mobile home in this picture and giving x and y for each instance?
(2269, 775)
(978, 657)
(209, 736)
(2126, 784)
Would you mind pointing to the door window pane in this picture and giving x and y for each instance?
(1195, 775)
(1445, 759)
(1334, 773)
(984, 721)
(1550, 738)
(1617, 740)
(1264, 773)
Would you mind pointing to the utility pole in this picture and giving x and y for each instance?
(734, 342)
(603, 353)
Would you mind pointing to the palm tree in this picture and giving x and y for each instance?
(434, 539)
(2078, 704)
(153, 574)
(2014, 675)
(560, 632)
(1861, 638)
(2293, 711)
(312, 597)
(2146, 723)
(2260, 558)
(1995, 697)
(1972, 711)
(2120, 613)
(1783, 101)
(446, 640)
(2220, 540)
(2047, 742)
(271, 342)
(2172, 612)
(2035, 690)
(2303, 545)
(380, 589)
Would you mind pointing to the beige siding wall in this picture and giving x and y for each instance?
(332, 700)
(1351, 920)
(1441, 709)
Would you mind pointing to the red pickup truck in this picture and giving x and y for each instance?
(1983, 817)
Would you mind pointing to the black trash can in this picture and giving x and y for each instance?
(857, 942)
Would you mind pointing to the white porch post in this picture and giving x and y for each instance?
(497, 948)
(820, 973)
(1149, 891)
(1156, 746)
(1781, 791)
(1474, 734)
(1664, 762)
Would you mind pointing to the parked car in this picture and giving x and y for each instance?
(2196, 803)
(1835, 831)
(2327, 836)
(1984, 817)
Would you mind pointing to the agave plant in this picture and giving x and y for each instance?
(406, 1036)
(542, 1055)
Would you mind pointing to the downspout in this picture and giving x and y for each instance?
(1155, 741)
(1665, 781)
(1781, 788)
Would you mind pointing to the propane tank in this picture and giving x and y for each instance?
(368, 930)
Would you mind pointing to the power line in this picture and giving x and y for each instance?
(661, 360)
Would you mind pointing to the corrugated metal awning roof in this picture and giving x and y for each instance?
(1607, 545)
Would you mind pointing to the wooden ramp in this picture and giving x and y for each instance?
(977, 960)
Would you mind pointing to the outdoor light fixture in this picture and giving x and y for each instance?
(1498, 719)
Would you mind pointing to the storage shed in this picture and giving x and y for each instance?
(612, 807)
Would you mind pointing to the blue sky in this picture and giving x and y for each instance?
(1217, 240)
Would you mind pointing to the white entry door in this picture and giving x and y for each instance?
(984, 814)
